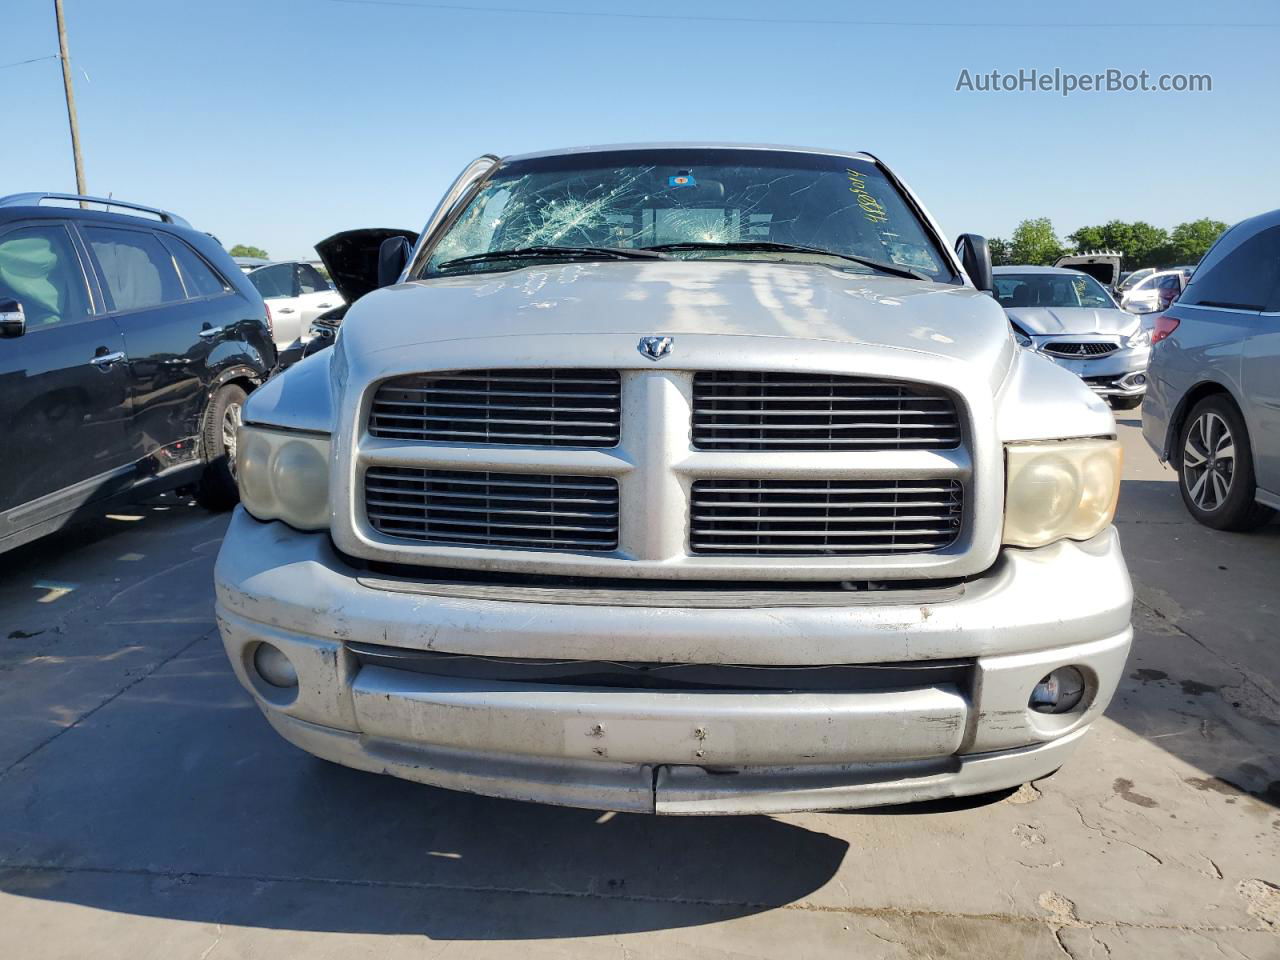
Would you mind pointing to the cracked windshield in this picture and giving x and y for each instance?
(747, 204)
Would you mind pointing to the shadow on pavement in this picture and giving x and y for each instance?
(1203, 680)
(179, 802)
(185, 788)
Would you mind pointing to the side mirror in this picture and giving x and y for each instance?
(393, 254)
(13, 320)
(975, 257)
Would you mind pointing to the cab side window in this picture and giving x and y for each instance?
(274, 281)
(138, 270)
(40, 269)
(310, 279)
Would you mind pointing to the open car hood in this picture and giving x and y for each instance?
(351, 257)
(1103, 267)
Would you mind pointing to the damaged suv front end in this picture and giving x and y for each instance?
(653, 487)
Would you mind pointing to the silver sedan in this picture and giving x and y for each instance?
(1070, 318)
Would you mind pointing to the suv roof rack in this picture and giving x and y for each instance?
(35, 199)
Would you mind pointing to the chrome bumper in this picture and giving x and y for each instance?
(678, 750)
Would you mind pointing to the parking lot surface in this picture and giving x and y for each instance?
(147, 810)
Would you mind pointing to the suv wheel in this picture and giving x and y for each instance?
(217, 490)
(1215, 467)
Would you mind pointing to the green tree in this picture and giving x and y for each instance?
(1087, 238)
(1000, 254)
(1034, 242)
(248, 250)
(1138, 243)
(1191, 241)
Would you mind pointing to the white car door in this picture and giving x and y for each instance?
(278, 286)
(315, 295)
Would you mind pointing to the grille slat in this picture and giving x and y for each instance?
(501, 509)
(517, 439)
(807, 550)
(748, 411)
(533, 483)
(833, 428)
(451, 509)
(549, 408)
(814, 413)
(758, 517)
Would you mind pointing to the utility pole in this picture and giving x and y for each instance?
(71, 97)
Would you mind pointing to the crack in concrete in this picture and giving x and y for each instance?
(107, 702)
(213, 946)
(1244, 674)
(900, 913)
(1101, 832)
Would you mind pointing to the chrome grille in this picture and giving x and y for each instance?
(545, 408)
(535, 511)
(802, 411)
(1065, 348)
(824, 517)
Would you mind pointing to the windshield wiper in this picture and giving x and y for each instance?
(773, 245)
(544, 251)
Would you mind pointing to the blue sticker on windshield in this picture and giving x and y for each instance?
(682, 179)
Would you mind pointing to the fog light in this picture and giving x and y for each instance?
(1138, 379)
(274, 667)
(1059, 692)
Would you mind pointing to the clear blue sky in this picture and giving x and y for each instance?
(278, 122)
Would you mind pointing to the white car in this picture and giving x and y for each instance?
(1157, 291)
(296, 293)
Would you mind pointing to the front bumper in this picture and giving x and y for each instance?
(678, 750)
(1120, 374)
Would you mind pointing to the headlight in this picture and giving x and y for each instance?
(1060, 489)
(1022, 338)
(284, 476)
(1140, 339)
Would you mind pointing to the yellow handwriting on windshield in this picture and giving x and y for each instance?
(871, 208)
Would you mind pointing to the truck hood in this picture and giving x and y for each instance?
(704, 297)
(1046, 321)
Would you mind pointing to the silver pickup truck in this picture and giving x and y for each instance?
(686, 479)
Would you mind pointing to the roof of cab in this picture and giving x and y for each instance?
(695, 145)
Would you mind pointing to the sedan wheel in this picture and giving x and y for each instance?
(1208, 461)
(1215, 467)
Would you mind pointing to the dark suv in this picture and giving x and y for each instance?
(128, 343)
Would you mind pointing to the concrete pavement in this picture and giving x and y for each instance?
(146, 809)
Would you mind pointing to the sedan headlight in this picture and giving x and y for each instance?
(284, 475)
(1022, 339)
(1060, 489)
(1142, 338)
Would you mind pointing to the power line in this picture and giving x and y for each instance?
(19, 63)
(804, 21)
